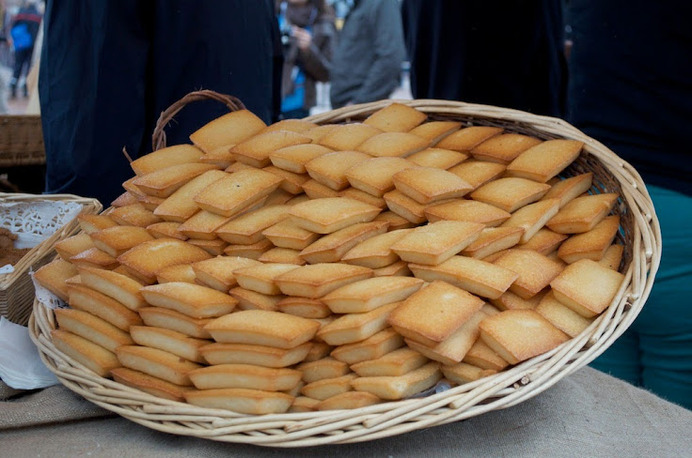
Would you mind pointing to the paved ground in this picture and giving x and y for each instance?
(14, 106)
(18, 105)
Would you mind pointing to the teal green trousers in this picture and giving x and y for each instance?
(656, 351)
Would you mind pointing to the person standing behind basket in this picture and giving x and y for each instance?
(109, 68)
(370, 50)
(631, 88)
(307, 34)
(509, 54)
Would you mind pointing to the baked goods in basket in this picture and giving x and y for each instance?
(332, 267)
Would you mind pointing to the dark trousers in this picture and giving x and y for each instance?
(22, 61)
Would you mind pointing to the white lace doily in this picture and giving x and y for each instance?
(35, 221)
(46, 298)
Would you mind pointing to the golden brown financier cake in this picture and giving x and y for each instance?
(307, 267)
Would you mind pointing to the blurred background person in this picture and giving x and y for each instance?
(631, 88)
(509, 54)
(4, 56)
(109, 68)
(307, 35)
(369, 53)
(24, 28)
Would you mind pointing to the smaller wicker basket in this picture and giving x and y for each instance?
(640, 234)
(21, 141)
(16, 288)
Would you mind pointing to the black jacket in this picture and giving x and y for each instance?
(508, 53)
(631, 83)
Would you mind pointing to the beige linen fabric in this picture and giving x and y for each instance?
(55, 404)
(586, 414)
(7, 391)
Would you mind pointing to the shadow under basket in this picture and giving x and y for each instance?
(639, 234)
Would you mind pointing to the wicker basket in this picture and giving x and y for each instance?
(21, 141)
(640, 234)
(16, 288)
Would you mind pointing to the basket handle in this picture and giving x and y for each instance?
(158, 137)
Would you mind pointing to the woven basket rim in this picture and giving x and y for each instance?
(16, 288)
(498, 391)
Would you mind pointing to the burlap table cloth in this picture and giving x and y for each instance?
(55, 404)
(587, 414)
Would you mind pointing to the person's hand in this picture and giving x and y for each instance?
(303, 38)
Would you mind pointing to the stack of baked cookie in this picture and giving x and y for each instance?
(297, 267)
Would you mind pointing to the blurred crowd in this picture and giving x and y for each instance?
(338, 53)
(367, 50)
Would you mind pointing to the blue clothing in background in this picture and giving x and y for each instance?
(294, 100)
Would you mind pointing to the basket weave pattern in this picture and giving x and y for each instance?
(21, 141)
(639, 233)
(16, 288)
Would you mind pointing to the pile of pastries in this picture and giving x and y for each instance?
(298, 267)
